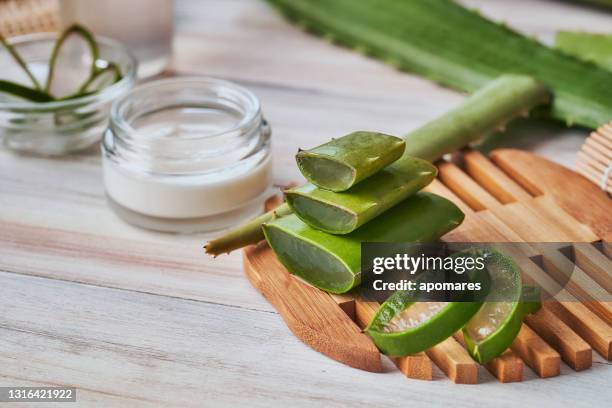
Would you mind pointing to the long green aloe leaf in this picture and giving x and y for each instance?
(601, 3)
(484, 112)
(341, 213)
(333, 262)
(596, 48)
(343, 162)
(457, 47)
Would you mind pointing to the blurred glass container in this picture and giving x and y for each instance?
(146, 27)
(58, 127)
(187, 154)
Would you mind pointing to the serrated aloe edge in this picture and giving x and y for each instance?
(484, 112)
(457, 47)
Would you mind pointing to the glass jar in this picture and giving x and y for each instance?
(187, 154)
(146, 27)
(63, 126)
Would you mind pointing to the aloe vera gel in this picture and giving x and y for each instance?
(341, 163)
(333, 262)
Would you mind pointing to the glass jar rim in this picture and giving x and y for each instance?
(105, 95)
(193, 82)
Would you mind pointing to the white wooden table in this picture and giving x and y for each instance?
(135, 318)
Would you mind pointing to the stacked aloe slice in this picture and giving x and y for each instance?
(366, 187)
(321, 240)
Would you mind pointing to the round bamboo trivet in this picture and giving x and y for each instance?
(594, 160)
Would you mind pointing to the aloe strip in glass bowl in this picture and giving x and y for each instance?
(56, 89)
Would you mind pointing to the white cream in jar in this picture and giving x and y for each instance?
(187, 155)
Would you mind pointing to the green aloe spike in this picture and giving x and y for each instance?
(487, 110)
(341, 163)
(333, 262)
(457, 47)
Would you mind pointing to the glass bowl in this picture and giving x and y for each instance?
(58, 127)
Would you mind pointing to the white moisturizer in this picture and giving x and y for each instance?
(186, 155)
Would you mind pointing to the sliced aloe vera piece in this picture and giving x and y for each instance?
(333, 262)
(405, 324)
(341, 163)
(493, 329)
(447, 43)
(67, 59)
(343, 212)
(596, 48)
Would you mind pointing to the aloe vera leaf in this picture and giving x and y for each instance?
(91, 44)
(20, 61)
(246, 234)
(596, 48)
(24, 92)
(502, 94)
(344, 212)
(341, 163)
(456, 47)
(333, 262)
(487, 110)
(601, 3)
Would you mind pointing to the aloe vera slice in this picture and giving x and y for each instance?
(64, 52)
(596, 48)
(493, 329)
(341, 163)
(405, 324)
(457, 47)
(20, 61)
(333, 262)
(341, 213)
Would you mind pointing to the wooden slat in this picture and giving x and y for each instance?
(584, 322)
(465, 187)
(536, 353)
(597, 265)
(573, 349)
(584, 201)
(495, 181)
(417, 366)
(455, 361)
(507, 367)
(577, 283)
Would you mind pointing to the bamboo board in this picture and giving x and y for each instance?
(512, 196)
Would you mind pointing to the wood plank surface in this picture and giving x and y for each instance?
(136, 318)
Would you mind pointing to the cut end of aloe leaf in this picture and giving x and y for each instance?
(321, 215)
(493, 329)
(306, 259)
(326, 172)
(405, 324)
(343, 162)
